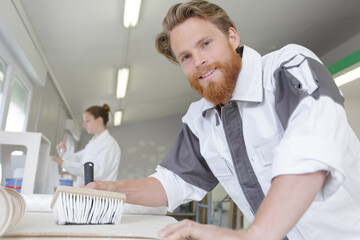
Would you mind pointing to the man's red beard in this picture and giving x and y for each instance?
(221, 90)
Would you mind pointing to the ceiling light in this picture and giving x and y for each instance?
(131, 13)
(346, 69)
(347, 77)
(117, 118)
(122, 80)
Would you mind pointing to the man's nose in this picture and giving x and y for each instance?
(199, 59)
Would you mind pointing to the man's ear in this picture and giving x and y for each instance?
(234, 37)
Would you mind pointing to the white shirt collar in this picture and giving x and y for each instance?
(249, 83)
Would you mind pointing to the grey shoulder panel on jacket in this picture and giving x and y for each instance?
(289, 90)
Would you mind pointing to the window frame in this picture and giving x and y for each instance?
(17, 76)
(13, 71)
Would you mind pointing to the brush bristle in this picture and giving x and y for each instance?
(77, 208)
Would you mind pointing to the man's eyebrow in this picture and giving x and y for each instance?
(196, 44)
(180, 54)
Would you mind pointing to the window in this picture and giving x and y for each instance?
(2, 78)
(17, 115)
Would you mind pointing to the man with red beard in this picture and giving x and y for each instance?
(272, 130)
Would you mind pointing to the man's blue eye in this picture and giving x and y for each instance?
(185, 57)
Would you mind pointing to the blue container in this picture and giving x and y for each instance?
(10, 183)
(66, 182)
(13, 183)
(18, 185)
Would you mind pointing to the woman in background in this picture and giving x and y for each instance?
(103, 150)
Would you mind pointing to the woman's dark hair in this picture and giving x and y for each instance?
(98, 111)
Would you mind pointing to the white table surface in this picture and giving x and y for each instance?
(36, 225)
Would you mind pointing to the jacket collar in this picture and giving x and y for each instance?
(101, 137)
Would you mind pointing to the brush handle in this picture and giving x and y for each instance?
(88, 172)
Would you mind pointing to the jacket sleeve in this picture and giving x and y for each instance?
(184, 173)
(72, 163)
(317, 135)
(185, 159)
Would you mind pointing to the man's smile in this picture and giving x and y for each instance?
(207, 74)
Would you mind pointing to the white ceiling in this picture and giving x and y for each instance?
(84, 41)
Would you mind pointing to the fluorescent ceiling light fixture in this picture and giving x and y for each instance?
(117, 118)
(347, 77)
(131, 13)
(122, 81)
(346, 69)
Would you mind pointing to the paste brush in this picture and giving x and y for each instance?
(75, 205)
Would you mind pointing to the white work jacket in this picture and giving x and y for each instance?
(103, 151)
(292, 125)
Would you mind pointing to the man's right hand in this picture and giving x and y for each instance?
(147, 191)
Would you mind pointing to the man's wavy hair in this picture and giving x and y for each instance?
(180, 12)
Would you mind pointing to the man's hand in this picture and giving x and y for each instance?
(193, 230)
(288, 198)
(147, 191)
(111, 186)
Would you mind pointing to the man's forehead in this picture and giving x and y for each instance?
(193, 23)
(191, 31)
